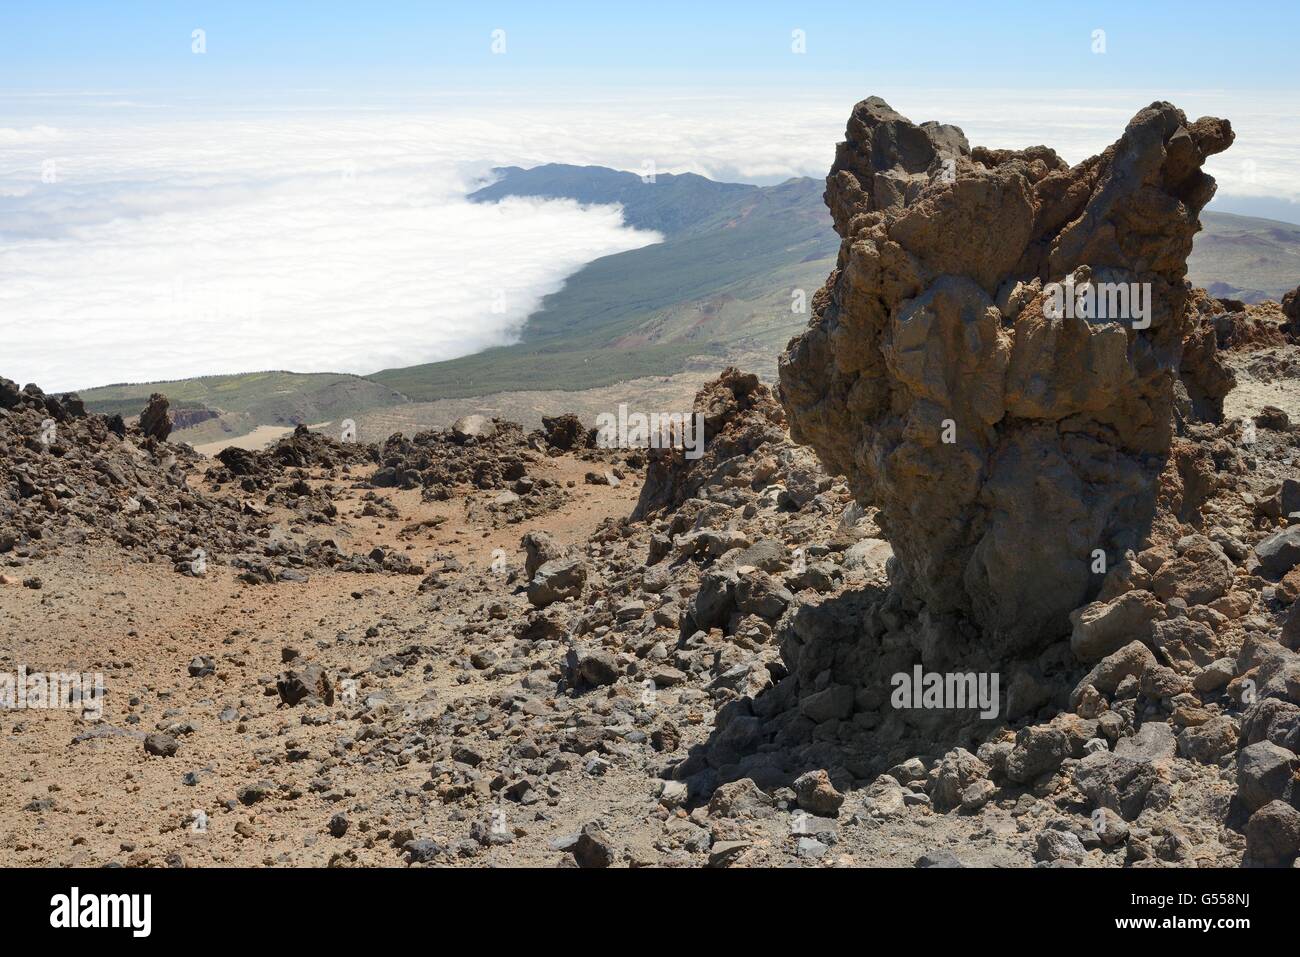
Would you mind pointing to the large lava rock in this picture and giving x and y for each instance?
(155, 422)
(1003, 441)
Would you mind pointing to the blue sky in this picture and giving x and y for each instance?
(404, 47)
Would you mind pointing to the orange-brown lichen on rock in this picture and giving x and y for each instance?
(1006, 438)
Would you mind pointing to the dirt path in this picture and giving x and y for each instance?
(140, 625)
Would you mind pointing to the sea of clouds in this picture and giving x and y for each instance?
(145, 240)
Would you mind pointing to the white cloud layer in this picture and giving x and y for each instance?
(152, 243)
(174, 250)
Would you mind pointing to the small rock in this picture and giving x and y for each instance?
(1215, 675)
(673, 793)
(835, 701)
(250, 794)
(473, 427)
(817, 795)
(810, 847)
(422, 850)
(978, 794)
(593, 848)
(941, 858)
(1280, 552)
(307, 682)
(557, 580)
(163, 745)
(723, 853)
(1154, 741)
(1102, 628)
(1273, 836)
(1054, 845)
(1265, 772)
(1038, 750)
(1210, 742)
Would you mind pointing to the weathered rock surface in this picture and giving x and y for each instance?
(1273, 836)
(308, 683)
(557, 580)
(155, 422)
(1101, 628)
(937, 376)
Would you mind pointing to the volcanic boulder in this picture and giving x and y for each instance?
(557, 580)
(564, 432)
(957, 373)
(306, 682)
(739, 416)
(155, 422)
(1291, 309)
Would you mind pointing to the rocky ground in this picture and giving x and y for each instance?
(475, 684)
(481, 646)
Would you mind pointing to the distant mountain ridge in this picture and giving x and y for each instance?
(1242, 257)
(245, 401)
(671, 203)
(723, 275)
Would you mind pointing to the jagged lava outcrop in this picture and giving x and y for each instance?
(1004, 441)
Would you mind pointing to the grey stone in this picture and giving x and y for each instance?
(592, 667)
(1188, 645)
(868, 554)
(939, 858)
(422, 850)
(1273, 836)
(810, 847)
(1039, 749)
(1121, 784)
(473, 426)
(817, 795)
(1211, 742)
(724, 853)
(740, 799)
(1110, 828)
(1265, 772)
(1215, 675)
(956, 772)
(557, 580)
(1154, 741)
(1280, 552)
(162, 745)
(1054, 845)
(593, 848)
(1131, 660)
(1102, 628)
